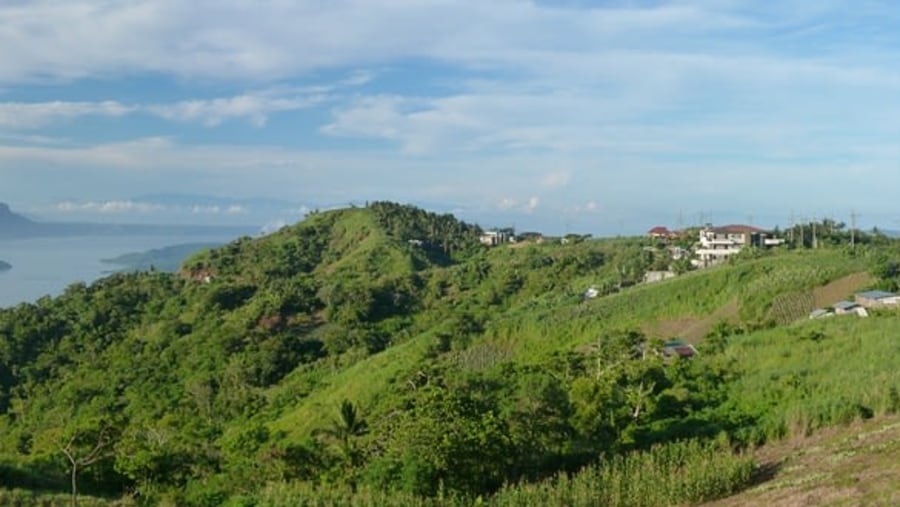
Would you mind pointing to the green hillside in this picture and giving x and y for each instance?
(383, 356)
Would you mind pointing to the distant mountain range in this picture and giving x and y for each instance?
(15, 226)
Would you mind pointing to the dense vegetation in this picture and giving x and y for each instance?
(382, 356)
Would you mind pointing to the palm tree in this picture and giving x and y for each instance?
(346, 428)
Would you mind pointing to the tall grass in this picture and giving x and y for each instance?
(304, 495)
(671, 474)
(810, 375)
(30, 498)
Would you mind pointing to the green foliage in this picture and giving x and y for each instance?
(673, 474)
(440, 235)
(475, 374)
(798, 379)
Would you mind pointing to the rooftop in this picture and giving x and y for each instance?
(736, 229)
(876, 294)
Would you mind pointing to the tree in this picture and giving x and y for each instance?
(345, 429)
(682, 265)
(86, 448)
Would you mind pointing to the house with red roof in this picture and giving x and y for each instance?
(660, 232)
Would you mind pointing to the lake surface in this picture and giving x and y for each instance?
(46, 266)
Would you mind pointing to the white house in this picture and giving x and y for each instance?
(496, 237)
(717, 244)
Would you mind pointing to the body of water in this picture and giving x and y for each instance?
(46, 266)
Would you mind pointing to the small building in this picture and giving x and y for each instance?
(677, 348)
(844, 307)
(660, 232)
(877, 299)
(496, 237)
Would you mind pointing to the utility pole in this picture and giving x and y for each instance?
(815, 242)
(792, 228)
(853, 217)
(802, 233)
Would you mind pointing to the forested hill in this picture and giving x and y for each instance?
(382, 355)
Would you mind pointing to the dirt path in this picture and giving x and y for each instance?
(841, 288)
(693, 329)
(849, 465)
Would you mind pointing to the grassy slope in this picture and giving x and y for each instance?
(816, 373)
(535, 328)
(829, 391)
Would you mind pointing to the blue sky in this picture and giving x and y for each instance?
(599, 117)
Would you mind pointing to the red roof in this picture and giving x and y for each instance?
(659, 230)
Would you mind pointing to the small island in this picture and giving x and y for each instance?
(5, 266)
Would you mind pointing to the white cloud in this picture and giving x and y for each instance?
(556, 179)
(512, 205)
(113, 207)
(301, 211)
(507, 203)
(638, 104)
(254, 107)
(21, 115)
(108, 207)
(273, 226)
(203, 209)
(266, 41)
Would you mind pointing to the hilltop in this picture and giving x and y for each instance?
(383, 355)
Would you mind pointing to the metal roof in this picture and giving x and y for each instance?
(737, 229)
(876, 294)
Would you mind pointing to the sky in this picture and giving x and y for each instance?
(601, 117)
